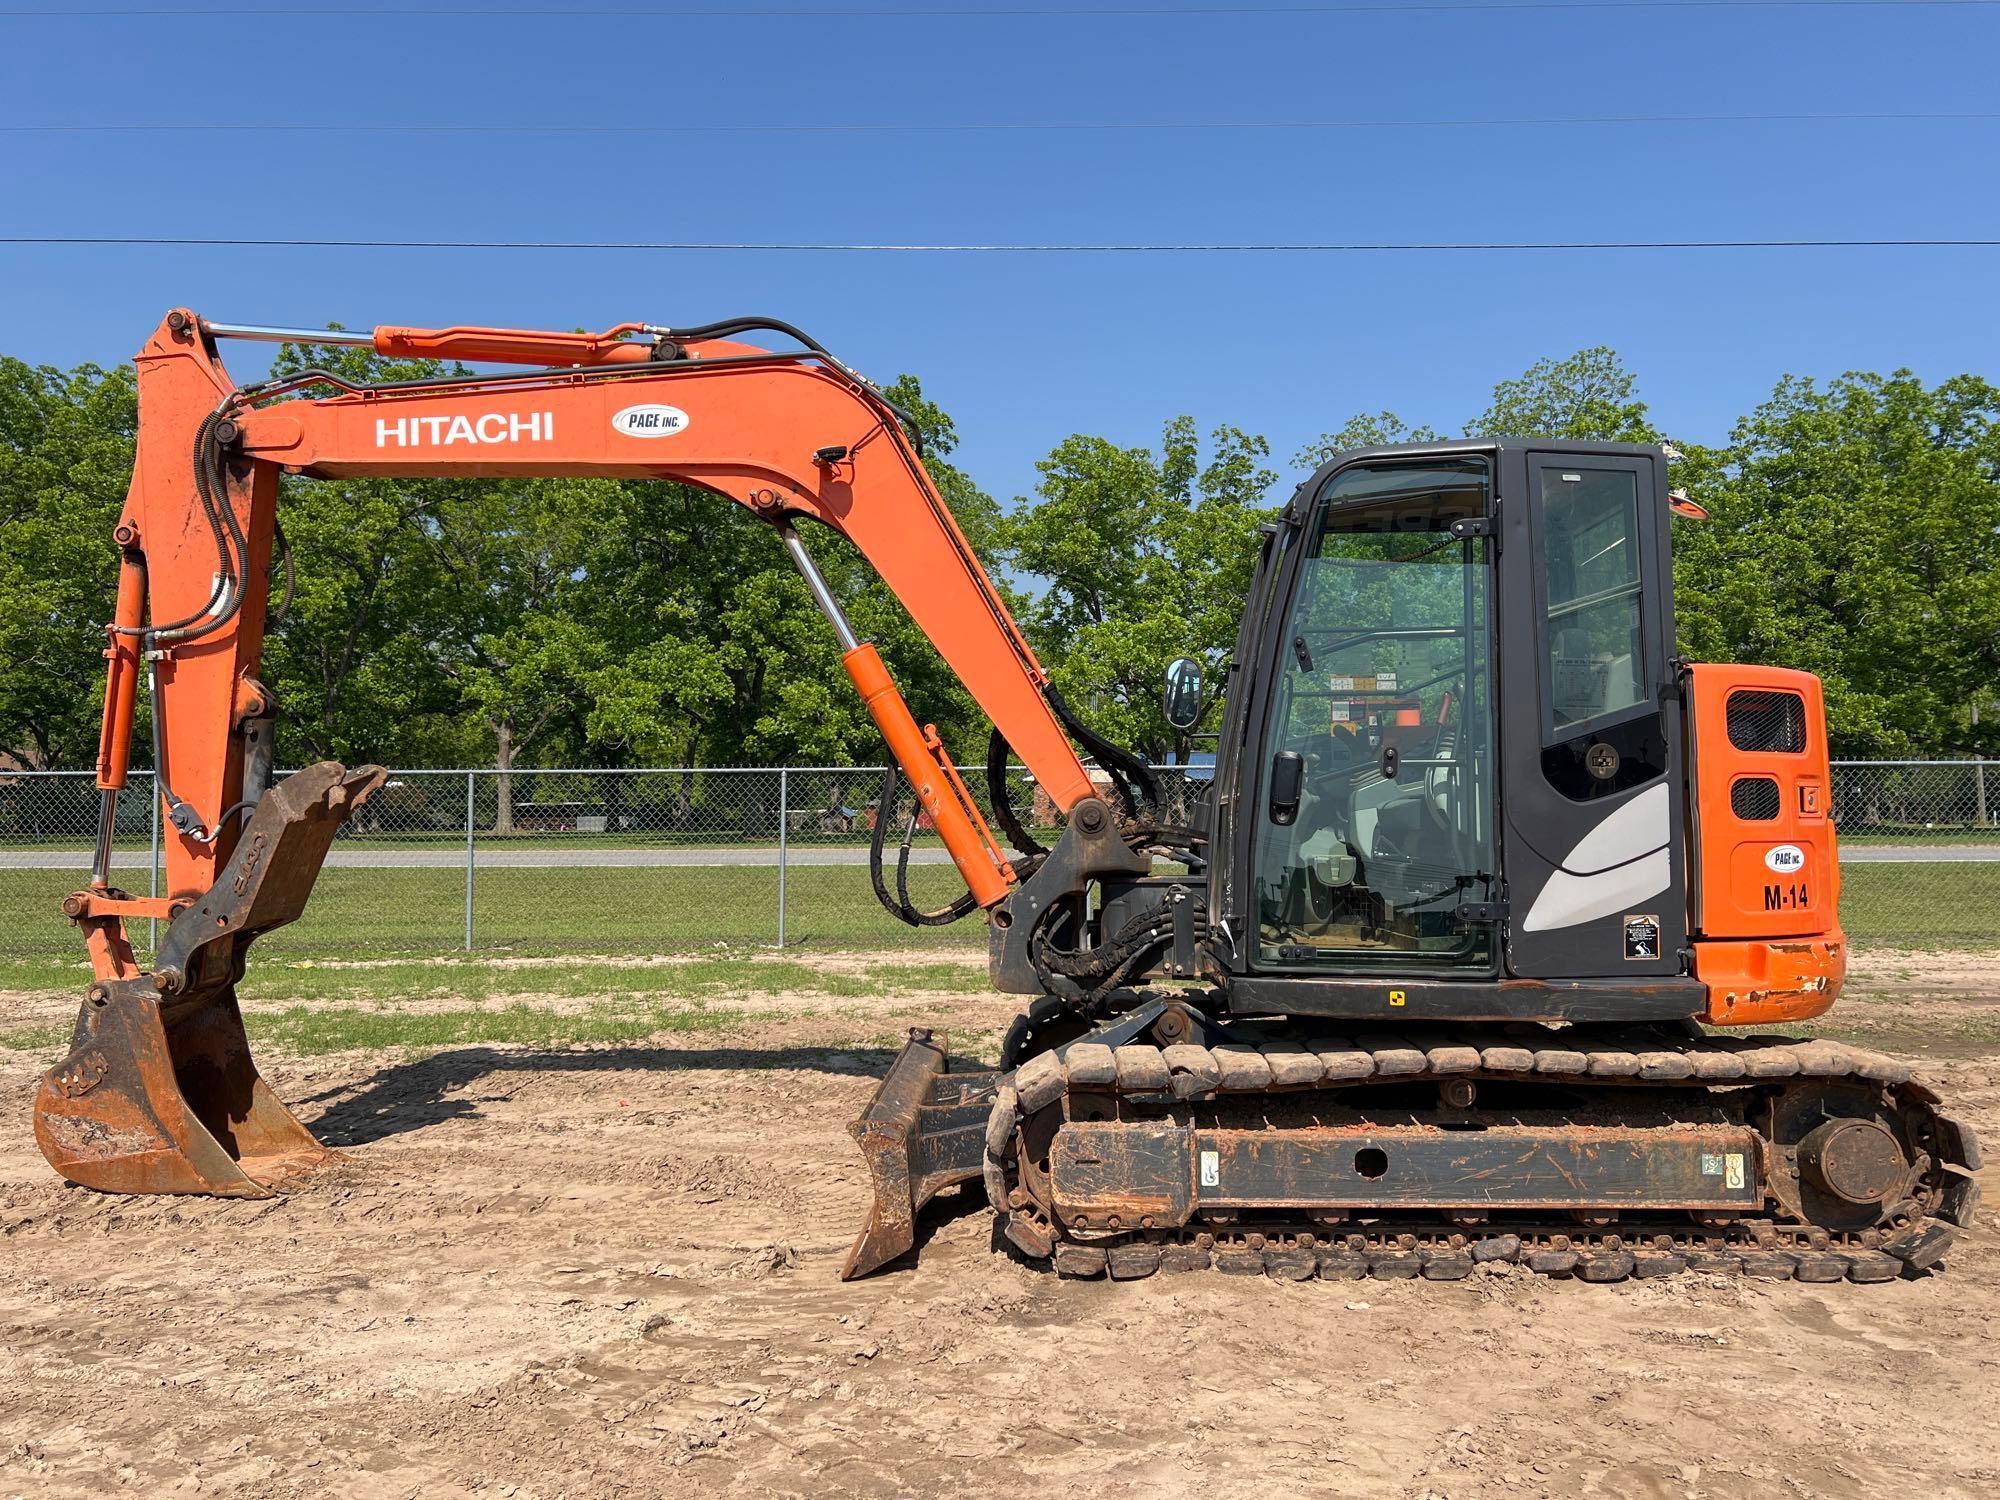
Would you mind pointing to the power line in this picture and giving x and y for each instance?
(1273, 247)
(797, 13)
(969, 127)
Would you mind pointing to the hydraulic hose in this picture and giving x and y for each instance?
(225, 602)
(900, 905)
(1088, 977)
(1126, 770)
(998, 751)
(227, 569)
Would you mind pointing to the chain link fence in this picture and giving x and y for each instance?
(1919, 852)
(672, 860)
(536, 861)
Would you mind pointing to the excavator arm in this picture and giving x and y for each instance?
(158, 1092)
(788, 435)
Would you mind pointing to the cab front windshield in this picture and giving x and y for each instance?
(1383, 690)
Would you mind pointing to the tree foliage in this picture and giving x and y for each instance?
(1856, 533)
(65, 461)
(1588, 397)
(1363, 430)
(517, 622)
(1138, 559)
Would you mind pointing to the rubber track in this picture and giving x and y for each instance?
(1426, 1249)
(1606, 1258)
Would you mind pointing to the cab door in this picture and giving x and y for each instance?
(1592, 790)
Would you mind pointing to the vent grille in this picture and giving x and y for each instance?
(1754, 799)
(1765, 721)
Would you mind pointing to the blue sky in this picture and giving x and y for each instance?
(1026, 349)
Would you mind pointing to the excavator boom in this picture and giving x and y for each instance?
(158, 1092)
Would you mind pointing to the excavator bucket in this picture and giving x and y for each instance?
(924, 1130)
(145, 1104)
(158, 1093)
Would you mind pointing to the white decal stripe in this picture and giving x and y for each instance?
(1639, 827)
(1569, 900)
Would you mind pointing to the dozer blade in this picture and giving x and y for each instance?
(158, 1093)
(924, 1130)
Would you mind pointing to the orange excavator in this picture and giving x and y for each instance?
(1441, 967)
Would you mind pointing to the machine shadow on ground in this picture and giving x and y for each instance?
(413, 1095)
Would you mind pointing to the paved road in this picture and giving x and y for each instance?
(1920, 854)
(723, 858)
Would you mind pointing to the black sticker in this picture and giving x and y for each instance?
(1791, 896)
(1642, 937)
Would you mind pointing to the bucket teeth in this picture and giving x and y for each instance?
(158, 1093)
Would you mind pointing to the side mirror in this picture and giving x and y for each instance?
(1288, 780)
(1183, 701)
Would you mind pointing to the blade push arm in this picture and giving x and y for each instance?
(788, 435)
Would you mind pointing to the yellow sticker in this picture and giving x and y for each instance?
(1397, 997)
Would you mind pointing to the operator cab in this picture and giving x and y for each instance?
(1378, 821)
(1457, 716)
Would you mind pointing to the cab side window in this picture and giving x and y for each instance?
(1595, 642)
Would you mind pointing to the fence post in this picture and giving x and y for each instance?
(153, 875)
(784, 831)
(469, 775)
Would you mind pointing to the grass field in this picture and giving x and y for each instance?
(363, 913)
(574, 957)
(313, 1006)
(1921, 905)
(132, 848)
(416, 915)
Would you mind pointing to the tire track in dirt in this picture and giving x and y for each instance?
(611, 1272)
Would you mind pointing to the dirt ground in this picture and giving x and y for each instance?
(612, 1272)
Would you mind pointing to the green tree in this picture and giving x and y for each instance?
(1588, 397)
(1140, 560)
(1363, 430)
(714, 652)
(1211, 529)
(1855, 533)
(355, 656)
(65, 463)
(515, 634)
(717, 651)
(540, 621)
